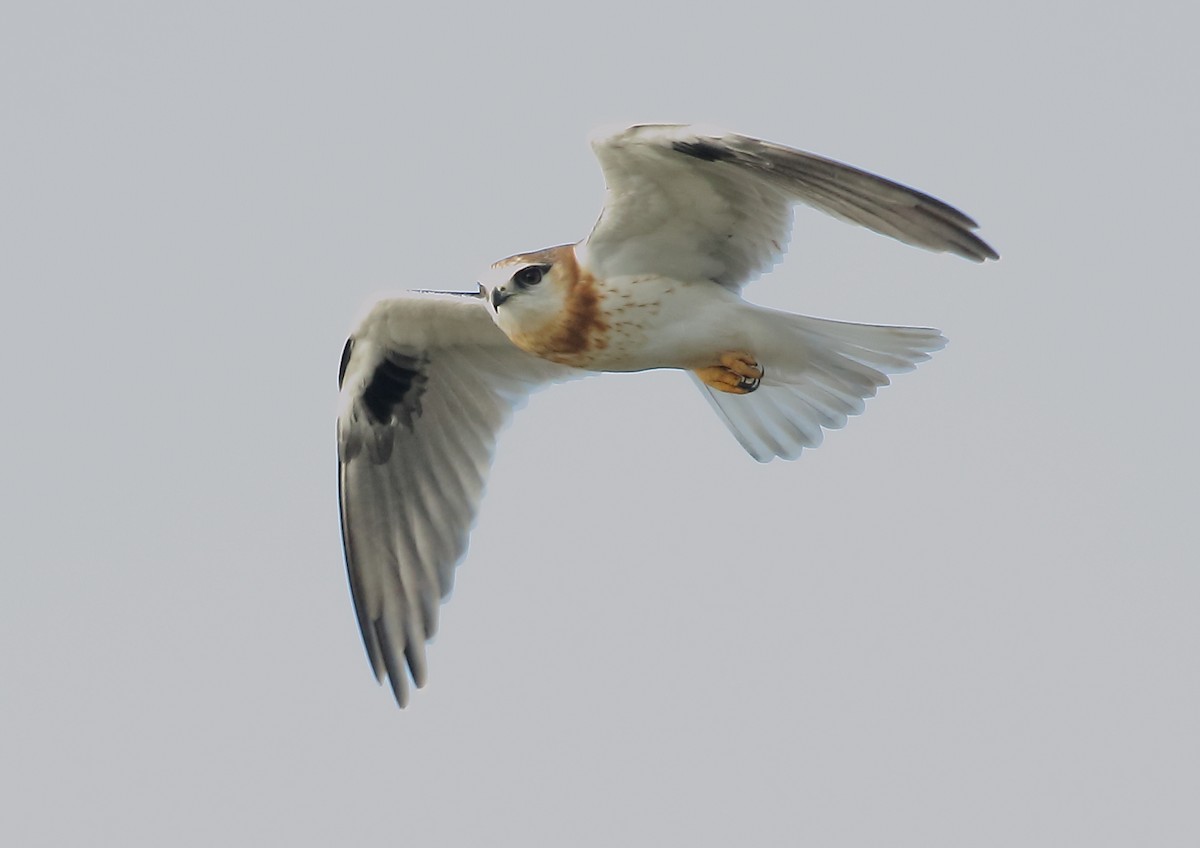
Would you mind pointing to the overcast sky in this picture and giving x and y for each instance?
(969, 619)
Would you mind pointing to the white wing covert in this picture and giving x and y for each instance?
(696, 204)
(427, 382)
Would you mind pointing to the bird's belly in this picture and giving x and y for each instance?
(654, 322)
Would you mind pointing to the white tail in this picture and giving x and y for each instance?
(818, 372)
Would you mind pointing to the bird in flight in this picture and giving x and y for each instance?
(691, 215)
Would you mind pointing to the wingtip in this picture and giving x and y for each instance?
(400, 693)
(398, 682)
(984, 251)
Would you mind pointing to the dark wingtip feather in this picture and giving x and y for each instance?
(396, 670)
(365, 627)
(416, 663)
(873, 201)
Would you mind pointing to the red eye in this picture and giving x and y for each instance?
(529, 276)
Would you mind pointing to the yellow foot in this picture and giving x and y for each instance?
(739, 373)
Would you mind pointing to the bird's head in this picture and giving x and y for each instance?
(530, 290)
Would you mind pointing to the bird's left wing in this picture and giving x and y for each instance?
(694, 203)
(427, 381)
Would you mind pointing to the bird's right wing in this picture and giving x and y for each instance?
(427, 382)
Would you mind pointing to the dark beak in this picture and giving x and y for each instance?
(499, 295)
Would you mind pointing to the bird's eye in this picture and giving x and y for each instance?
(529, 276)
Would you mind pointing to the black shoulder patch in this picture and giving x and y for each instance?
(395, 388)
(703, 150)
(345, 360)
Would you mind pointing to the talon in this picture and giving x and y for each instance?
(749, 384)
(739, 373)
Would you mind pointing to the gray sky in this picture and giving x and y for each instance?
(968, 619)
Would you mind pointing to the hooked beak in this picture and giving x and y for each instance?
(499, 295)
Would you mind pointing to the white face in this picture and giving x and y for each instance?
(522, 296)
